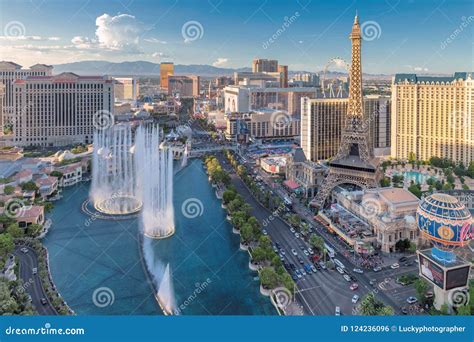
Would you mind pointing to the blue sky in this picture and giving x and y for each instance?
(408, 35)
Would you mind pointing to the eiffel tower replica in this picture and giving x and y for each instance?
(354, 163)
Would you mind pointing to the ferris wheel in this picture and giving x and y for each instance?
(327, 86)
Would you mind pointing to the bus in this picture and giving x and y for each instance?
(330, 250)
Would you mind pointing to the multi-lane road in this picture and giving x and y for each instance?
(319, 293)
(32, 282)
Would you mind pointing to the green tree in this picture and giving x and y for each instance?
(421, 287)
(294, 220)
(228, 196)
(371, 306)
(415, 190)
(470, 169)
(8, 189)
(33, 229)
(238, 219)
(268, 278)
(57, 174)
(14, 230)
(258, 254)
(6, 247)
(385, 182)
(29, 186)
(246, 233)
(317, 242)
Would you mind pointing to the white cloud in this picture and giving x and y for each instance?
(28, 38)
(220, 62)
(119, 33)
(420, 69)
(159, 55)
(155, 40)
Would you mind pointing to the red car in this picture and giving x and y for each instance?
(354, 286)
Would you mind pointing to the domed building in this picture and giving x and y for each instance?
(446, 222)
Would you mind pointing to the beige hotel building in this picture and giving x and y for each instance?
(59, 110)
(433, 116)
(322, 121)
(9, 73)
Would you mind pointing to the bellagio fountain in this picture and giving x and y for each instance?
(114, 184)
(132, 173)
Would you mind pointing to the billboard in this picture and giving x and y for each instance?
(431, 271)
(457, 277)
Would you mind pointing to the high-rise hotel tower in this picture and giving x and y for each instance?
(433, 116)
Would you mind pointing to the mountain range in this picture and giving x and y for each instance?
(144, 68)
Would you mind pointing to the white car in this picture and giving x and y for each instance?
(310, 250)
(395, 266)
(338, 311)
(358, 270)
(340, 270)
(295, 253)
(282, 251)
(297, 235)
(377, 269)
(313, 268)
(306, 252)
(355, 299)
(412, 300)
(35, 270)
(347, 278)
(292, 230)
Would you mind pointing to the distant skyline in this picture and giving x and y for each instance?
(410, 36)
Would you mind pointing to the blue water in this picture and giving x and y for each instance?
(415, 176)
(86, 255)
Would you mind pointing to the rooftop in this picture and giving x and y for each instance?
(414, 78)
(397, 195)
